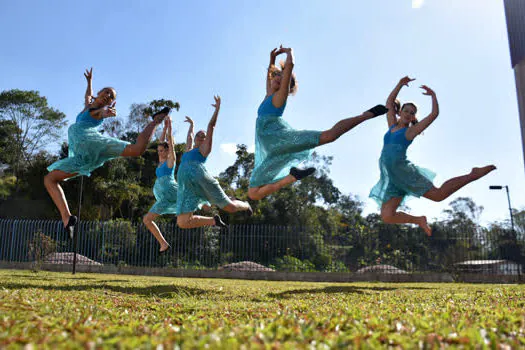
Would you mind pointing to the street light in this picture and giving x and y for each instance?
(508, 198)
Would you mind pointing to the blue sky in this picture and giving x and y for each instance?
(349, 55)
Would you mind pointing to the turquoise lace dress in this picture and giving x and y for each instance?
(88, 148)
(165, 190)
(399, 177)
(278, 147)
(196, 186)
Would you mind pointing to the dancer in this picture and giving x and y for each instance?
(279, 147)
(399, 177)
(165, 188)
(89, 149)
(196, 186)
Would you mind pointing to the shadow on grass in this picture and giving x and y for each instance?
(161, 291)
(340, 289)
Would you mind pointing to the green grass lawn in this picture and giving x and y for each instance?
(104, 311)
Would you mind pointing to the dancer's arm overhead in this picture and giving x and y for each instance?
(189, 138)
(89, 90)
(279, 98)
(206, 146)
(172, 157)
(164, 130)
(417, 129)
(273, 54)
(390, 102)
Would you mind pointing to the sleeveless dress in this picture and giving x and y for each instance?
(165, 190)
(88, 148)
(196, 186)
(278, 147)
(399, 177)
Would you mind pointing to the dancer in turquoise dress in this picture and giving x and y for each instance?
(278, 147)
(90, 149)
(165, 188)
(399, 177)
(197, 187)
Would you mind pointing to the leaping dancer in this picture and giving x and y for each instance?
(399, 177)
(165, 188)
(197, 187)
(89, 149)
(278, 147)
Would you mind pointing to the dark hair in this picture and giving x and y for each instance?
(164, 144)
(293, 80)
(415, 121)
(409, 104)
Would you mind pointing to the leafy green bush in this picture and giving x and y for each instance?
(40, 246)
(292, 264)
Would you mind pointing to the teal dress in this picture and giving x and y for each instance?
(196, 186)
(278, 147)
(165, 190)
(88, 148)
(399, 177)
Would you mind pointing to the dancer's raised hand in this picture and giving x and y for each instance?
(217, 103)
(188, 120)
(89, 74)
(273, 54)
(109, 112)
(276, 52)
(285, 49)
(428, 91)
(405, 80)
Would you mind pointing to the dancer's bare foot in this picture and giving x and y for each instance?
(164, 247)
(477, 173)
(424, 225)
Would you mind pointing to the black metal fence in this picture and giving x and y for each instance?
(396, 250)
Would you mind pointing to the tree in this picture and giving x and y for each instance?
(463, 215)
(237, 176)
(519, 223)
(37, 123)
(136, 121)
(157, 105)
(8, 132)
(464, 209)
(113, 127)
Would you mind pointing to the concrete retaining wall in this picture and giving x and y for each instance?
(273, 276)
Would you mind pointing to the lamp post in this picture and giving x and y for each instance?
(508, 198)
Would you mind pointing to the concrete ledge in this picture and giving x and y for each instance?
(273, 276)
(487, 278)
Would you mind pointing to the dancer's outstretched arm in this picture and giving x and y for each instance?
(390, 101)
(189, 138)
(417, 129)
(89, 90)
(279, 98)
(206, 146)
(273, 54)
(172, 157)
